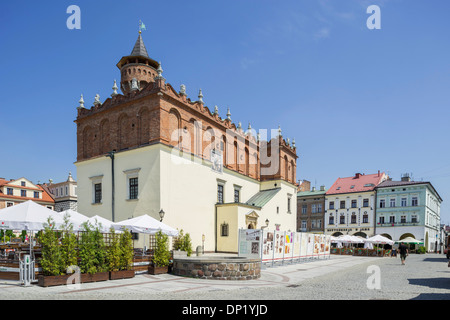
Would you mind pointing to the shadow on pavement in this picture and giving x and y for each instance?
(443, 259)
(432, 296)
(438, 283)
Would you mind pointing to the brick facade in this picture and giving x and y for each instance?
(156, 113)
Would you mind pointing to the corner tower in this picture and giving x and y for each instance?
(137, 69)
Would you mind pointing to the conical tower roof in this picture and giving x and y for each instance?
(140, 54)
(139, 49)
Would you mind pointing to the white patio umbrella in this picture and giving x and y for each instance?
(28, 216)
(379, 239)
(346, 238)
(76, 218)
(145, 224)
(409, 240)
(104, 223)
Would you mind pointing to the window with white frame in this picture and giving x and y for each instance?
(132, 183)
(96, 189)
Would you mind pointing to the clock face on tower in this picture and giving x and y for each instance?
(216, 161)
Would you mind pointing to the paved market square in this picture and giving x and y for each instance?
(424, 277)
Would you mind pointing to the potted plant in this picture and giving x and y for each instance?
(161, 258)
(51, 260)
(92, 255)
(120, 256)
(183, 244)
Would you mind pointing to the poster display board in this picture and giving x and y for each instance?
(303, 245)
(268, 246)
(296, 245)
(281, 246)
(250, 243)
(288, 245)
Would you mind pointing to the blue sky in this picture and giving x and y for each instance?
(354, 99)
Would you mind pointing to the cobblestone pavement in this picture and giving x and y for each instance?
(340, 277)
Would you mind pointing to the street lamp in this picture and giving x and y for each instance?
(161, 215)
(267, 224)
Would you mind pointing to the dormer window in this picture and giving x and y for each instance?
(22, 183)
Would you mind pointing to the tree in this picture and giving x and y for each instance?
(126, 245)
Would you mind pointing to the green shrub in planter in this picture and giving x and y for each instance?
(183, 242)
(421, 250)
(114, 252)
(69, 253)
(92, 251)
(161, 258)
(126, 246)
(51, 260)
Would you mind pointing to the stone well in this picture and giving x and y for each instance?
(217, 268)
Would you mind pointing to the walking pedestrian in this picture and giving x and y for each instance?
(403, 249)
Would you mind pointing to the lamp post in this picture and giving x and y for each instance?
(161, 215)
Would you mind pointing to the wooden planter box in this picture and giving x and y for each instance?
(157, 270)
(48, 281)
(122, 274)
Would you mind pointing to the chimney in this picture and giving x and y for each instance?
(322, 188)
(378, 172)
(406, 177)
(357, 175)
(313, 189)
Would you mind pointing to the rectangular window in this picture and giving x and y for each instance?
(342, 219)
(414, 219)
(98, 193)
(319, 208)
(9, 191)
(304, 208)
(313, 208)
(22, 183)
(414, 202)
(331, 220)
(219, 193)
(365, 218)
(9, 204)
(343, 204)
(36, 195)
(289, 204)
(237, 195)
(403, 219)
(313, 224)
(353, 203)
(403, 202)
(353, 218)
(331, 206)
(392, 219)
(365, 203)
(134, 188)
(392, 203)
(381, 220)
(224, 230)
(23, 193)
(304, 224)
(382, 203)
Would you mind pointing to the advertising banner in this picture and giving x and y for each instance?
(327, 245)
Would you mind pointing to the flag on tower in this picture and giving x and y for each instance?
(141, 26)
